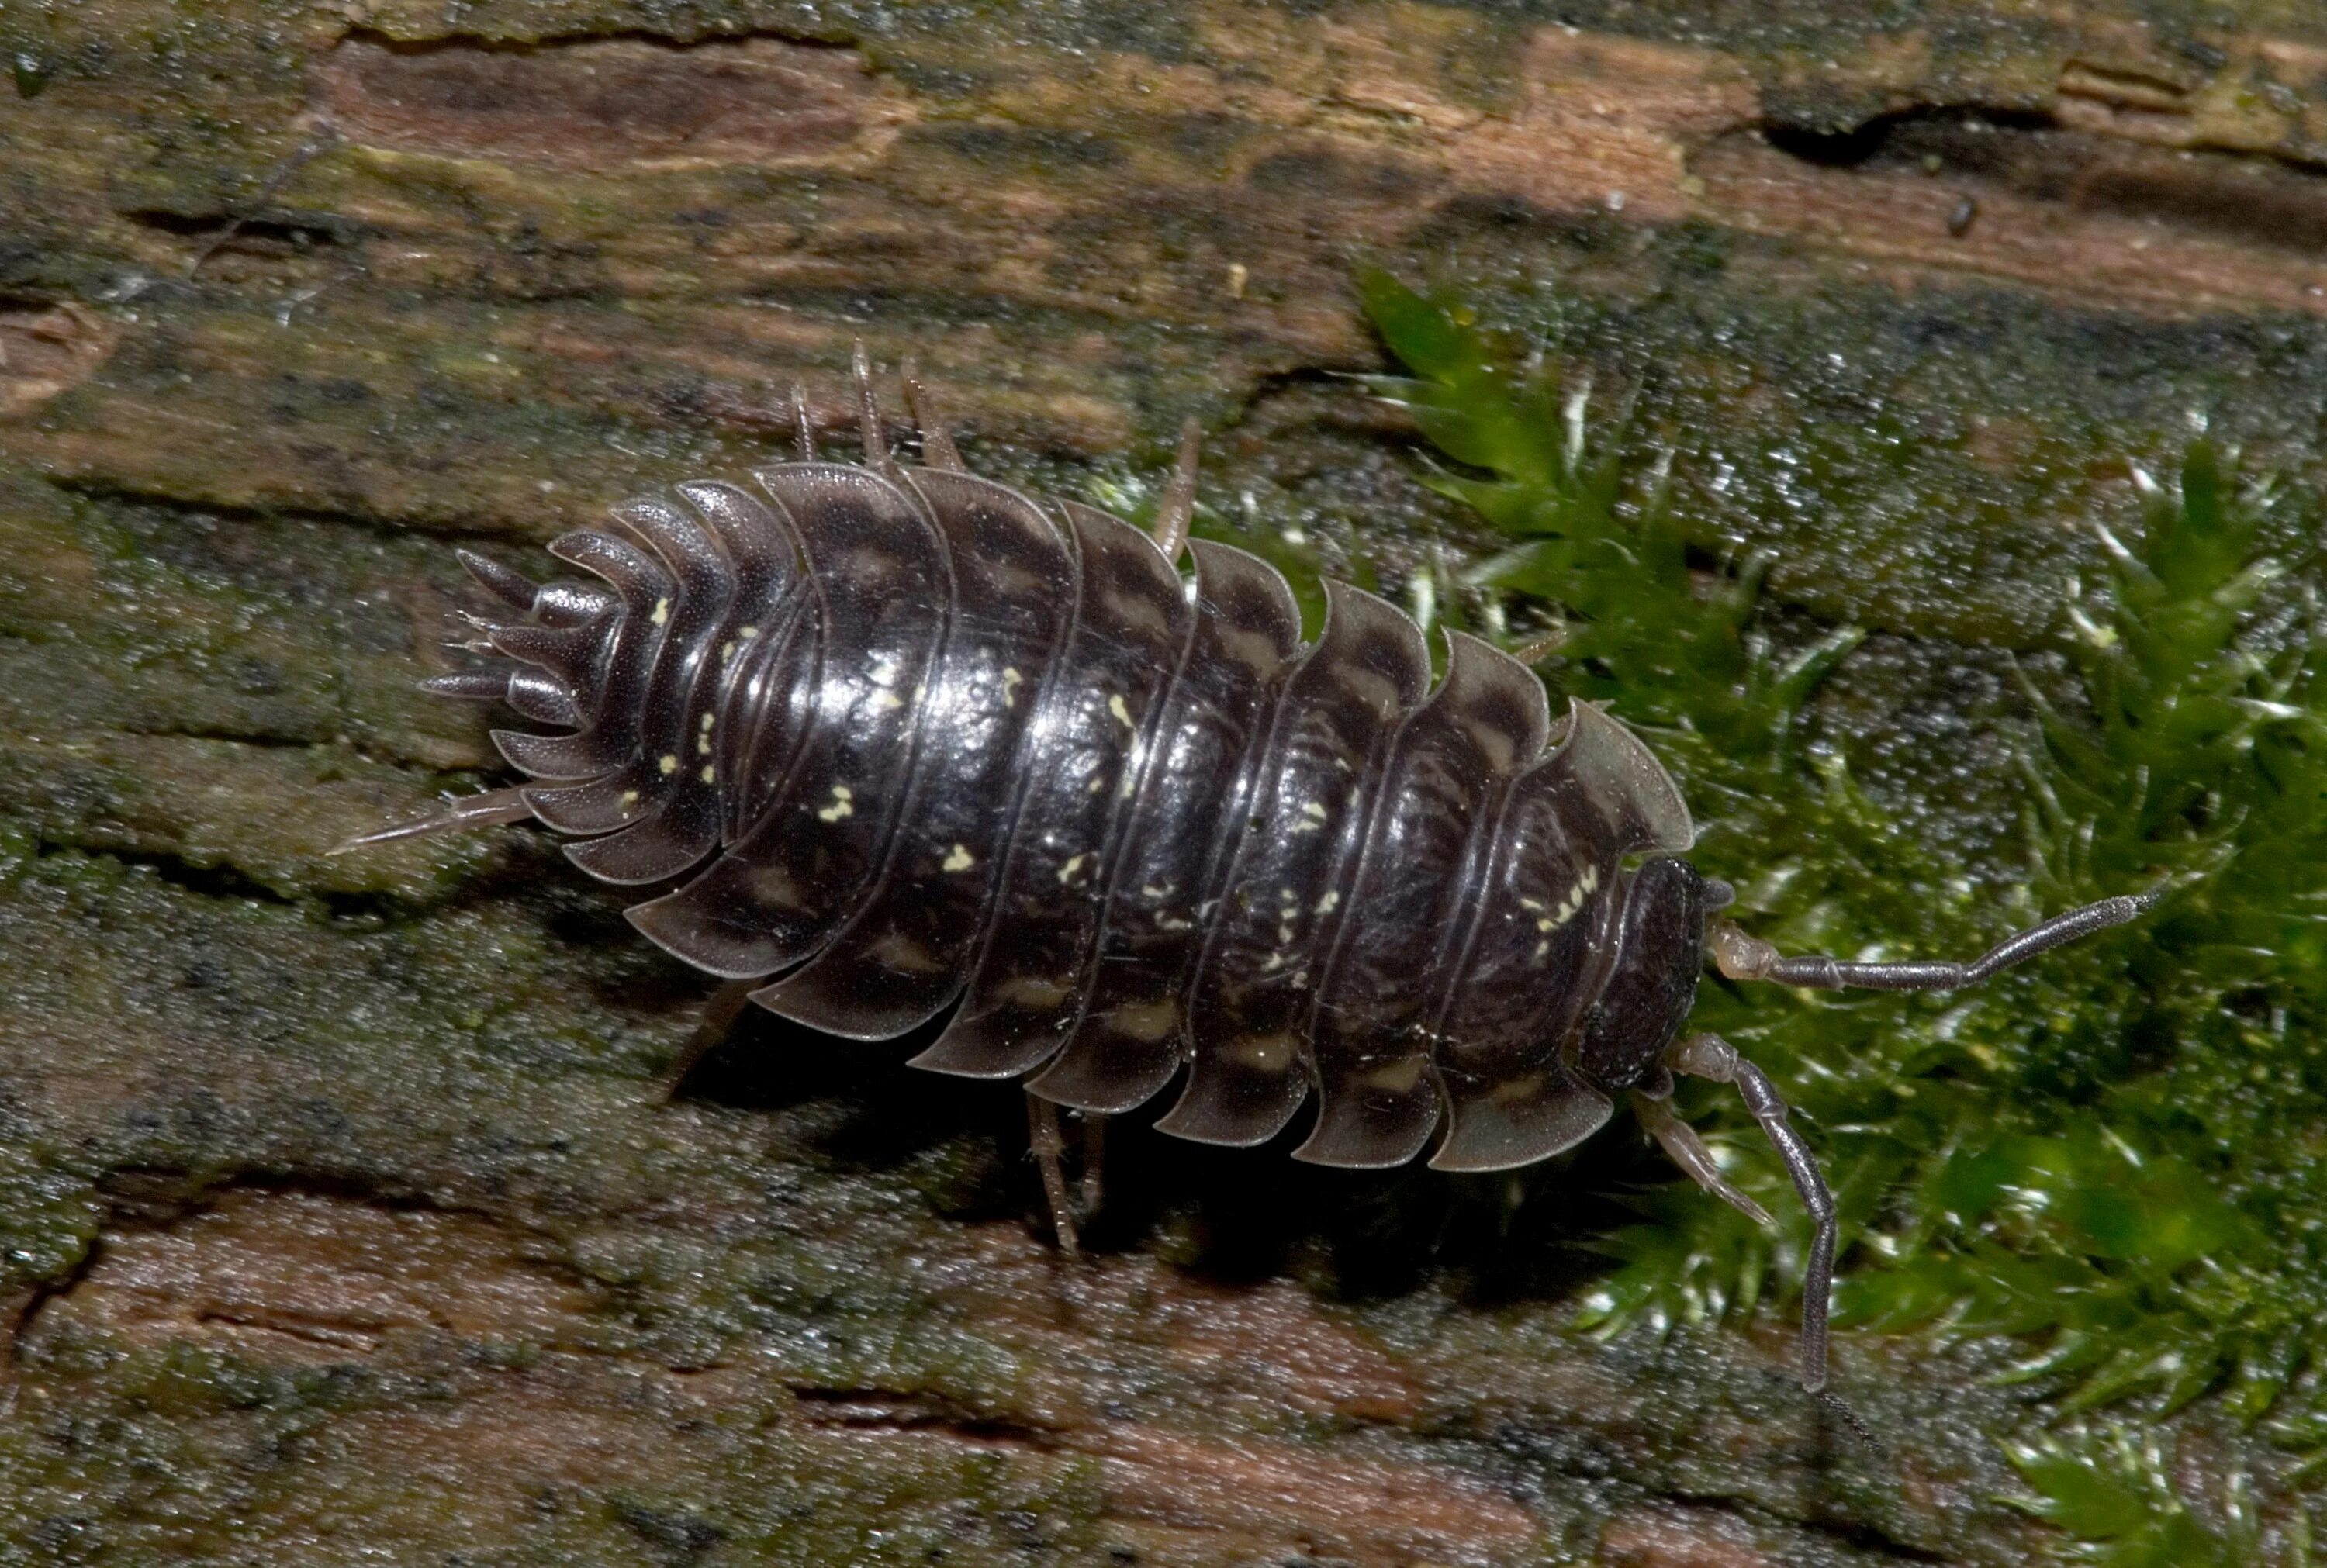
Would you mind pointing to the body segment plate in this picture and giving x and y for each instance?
(878, 576)
(1424, 852)
(1133, 1035)
(1131, 624)
(1281, 904)
(907, 952)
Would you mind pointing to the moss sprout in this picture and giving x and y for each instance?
(2115, 1494)
(2110, 1155)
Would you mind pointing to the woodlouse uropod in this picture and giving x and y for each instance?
(958, 747)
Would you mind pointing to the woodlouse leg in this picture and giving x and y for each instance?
(938, 450)
(1744, 958)
(1043, 1133)
(1708, 1056)
(868, 410)
(1687, 1150)
(719, 1014)
(1094, 1188)
(803, 427)
(1178, 507)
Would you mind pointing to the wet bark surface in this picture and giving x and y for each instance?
(346, 1211)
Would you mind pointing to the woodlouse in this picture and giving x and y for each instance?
(958, 747)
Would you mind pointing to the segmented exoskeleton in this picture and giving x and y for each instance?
(921, 741)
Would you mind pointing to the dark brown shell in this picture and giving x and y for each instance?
(946, 745)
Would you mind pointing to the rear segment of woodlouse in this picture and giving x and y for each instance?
(918, 741)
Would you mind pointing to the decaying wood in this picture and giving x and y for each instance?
(344, 1208)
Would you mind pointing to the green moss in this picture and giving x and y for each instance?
(2111, 1152)
(2117, 1495)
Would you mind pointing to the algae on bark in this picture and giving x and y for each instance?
(342, 1213)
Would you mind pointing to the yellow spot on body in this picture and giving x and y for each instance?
(1284, 933)
(1066, 872)
(726, 651)
(710, 774)
(1394, 1078)
(1531, 904)
(702, 745)
(901, 953)
(1517, 1091)
(1032, 991)
(1329, 903)
(1147, 1020)
(630, 799)
(1098, 783)
(705, 725)
(960, 859)
(882, 702)
(1114, 704)
(1153, 891)
(1265, 1052)
(669, 763)
(840, 807)
(1568, 906)
(661, 611)
(748, 633)
(1275, 961)
(1011, 681)
(1313, 808)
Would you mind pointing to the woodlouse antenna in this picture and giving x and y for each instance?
(1178, 508)
(938, 450)
(1743, 958)
(1740, 956)
(868, 410)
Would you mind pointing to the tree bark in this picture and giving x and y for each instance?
(348, 1214)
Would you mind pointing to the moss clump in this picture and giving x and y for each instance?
(2111, 1152)
(2117, 1496)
